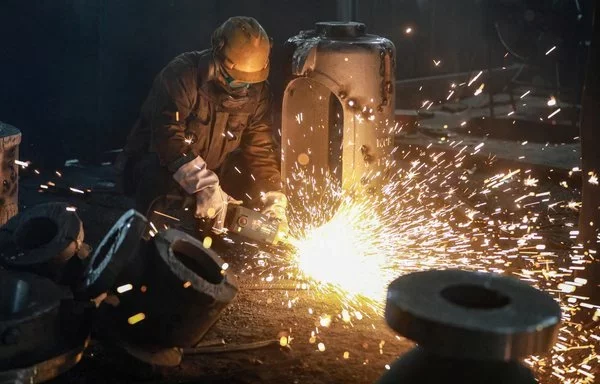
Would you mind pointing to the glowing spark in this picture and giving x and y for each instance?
(283, 341)
(325, 321)
(71, 209)
(479, 90)
(437, 62)
(550, 50)
(551, 102)
(136, 318)
(321, 347)
(124, 288)
(22, 164)
(593, 179)
(530, 182)
(408, 30)
(187, 284)
(553, 113)
(525, 94)
(474, 79)
(165, 215)
(76, 190)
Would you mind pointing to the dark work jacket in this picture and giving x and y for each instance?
(189, 114)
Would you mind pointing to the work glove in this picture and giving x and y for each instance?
(275, 205)
(211, 201)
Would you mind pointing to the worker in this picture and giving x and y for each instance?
(204, 106)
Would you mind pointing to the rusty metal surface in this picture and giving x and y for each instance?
(471, 315)
(338, 107)
(10, 138)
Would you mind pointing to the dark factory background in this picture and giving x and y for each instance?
(75, 72)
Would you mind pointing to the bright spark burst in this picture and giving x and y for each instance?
(530, 182)
(434, 214)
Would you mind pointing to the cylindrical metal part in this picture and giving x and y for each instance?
(184, 290)
(43, 371)
(338, 107)
(420, 367)
(10, 138)
(42, 240)
(481, 316)
(29, 319)
(471, 326)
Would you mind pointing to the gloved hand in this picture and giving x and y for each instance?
(275, 205)
(211, 202)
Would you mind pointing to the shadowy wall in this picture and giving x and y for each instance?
(73, 73)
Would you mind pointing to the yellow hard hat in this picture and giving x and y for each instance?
(242, 47)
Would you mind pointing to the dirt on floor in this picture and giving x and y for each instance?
(354, 348)
(324, 345)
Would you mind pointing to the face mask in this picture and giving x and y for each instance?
(232, 83)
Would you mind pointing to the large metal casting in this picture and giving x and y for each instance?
(43, 240)
(338, 107)
(473, 327)
(10, 138)
(182, 292)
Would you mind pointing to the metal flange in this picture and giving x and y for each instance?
(186, 287)
(41, 239)
(472, 315)
(114, 254)
(29, 318)
(45, 370)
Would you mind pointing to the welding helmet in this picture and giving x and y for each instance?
(241, 50)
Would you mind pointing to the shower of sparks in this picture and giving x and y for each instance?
(434, 214)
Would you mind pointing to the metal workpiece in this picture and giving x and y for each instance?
(117, 259)
(472, 315)
(29, 319)
(10, 139)
(338, 105)
(185, 287)
(45, 370)
(42, 240)
(472, 327)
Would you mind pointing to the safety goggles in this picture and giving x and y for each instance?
(231, 82)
